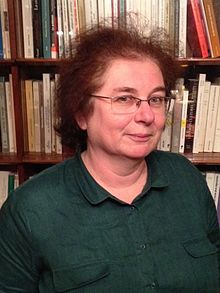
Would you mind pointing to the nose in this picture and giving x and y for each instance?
(144, 113)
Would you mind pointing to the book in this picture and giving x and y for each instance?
(30, 114)
(60, 30)
(19, 28)
(3, 117)
(37, 28)
(192, 86)
(66, 35)
(37, 116)
(27, 28)
(203, 115)
(1, 39)
(216, 144)
(212, 117)
(198, 120)
(45, 22)
(10, 116)
(183, 121)
(196, 34)
(165, 140)
(211, 27)
(54, 29)
(47, 113)
(91, 13)
(5, 29)
(3, 186)
(177, 115)
(182, 28)
(216, 6)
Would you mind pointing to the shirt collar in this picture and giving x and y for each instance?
(96, 194)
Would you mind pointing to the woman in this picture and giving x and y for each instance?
(118, 216)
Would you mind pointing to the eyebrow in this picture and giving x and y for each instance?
(134, 91)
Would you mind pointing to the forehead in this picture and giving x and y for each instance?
(138, 72)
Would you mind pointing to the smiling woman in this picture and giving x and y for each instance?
(119, 216)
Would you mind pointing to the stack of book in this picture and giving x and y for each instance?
(8, 182)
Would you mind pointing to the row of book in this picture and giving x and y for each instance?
(38, 115)
(193, 120)
(49, 25)
(7, 116)
(5, 48)
(8, 183)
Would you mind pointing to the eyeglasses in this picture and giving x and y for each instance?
(128, 104)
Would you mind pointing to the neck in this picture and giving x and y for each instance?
(123, 177)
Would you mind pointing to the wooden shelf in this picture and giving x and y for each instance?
(204, 158)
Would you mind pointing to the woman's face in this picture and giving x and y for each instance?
(132, 135)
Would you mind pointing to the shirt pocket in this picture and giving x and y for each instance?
(200, 247)
(65, 279)
(204, 257)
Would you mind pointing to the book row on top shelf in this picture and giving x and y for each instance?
(44, 28)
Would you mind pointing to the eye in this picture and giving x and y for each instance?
(156, 101)
(126, 99)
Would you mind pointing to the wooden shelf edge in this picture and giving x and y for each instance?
(204, 158)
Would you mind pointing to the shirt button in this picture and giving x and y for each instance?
(143, 246)
(153, 285)
(132, 208)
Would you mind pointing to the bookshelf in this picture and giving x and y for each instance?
(26, 164)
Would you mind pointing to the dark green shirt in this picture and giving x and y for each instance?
(62, 232)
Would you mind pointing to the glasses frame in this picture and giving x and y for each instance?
(138, 103)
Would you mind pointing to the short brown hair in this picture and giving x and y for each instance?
(92, 52)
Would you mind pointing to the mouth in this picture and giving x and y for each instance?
(140, 137)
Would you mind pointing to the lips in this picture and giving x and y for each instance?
(140, 137)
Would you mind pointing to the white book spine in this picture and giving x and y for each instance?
(13, 111)
(210, 180)
(201, 86)
(37, 128)
(53, 134)
(47, 113)
(3, 186)
(60, 29)
(10, 110)
(204, 112)
(27, 28)
(212, 117)
(165, 141)
(182, 28)
(216, 144)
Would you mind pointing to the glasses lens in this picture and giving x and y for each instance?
(124, 105)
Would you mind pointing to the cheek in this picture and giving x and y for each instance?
(160, 121)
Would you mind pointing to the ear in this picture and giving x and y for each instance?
(81, 121)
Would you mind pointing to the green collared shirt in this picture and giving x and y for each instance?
(62, 232)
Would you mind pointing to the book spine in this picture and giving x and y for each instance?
(54, 29)
(30, 114)
(27, 29)
(212, 117)
(45, 18)
(200, 95)
(37, 30)
(183, 121)
(36, 104)
(47, 113)
(3, 117)
(191, 115)
(195, 30)
(212, 27)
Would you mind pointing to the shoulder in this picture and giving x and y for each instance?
(49, 186)
(181, 173)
